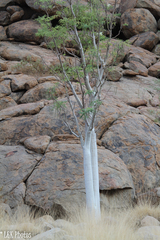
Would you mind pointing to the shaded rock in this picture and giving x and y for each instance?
(4, 18)
(5, 89)
(153, 6)
(146, 40)
(23, 109)
(127, 4)
(21, 82)
(156, 50)
(16, 95)
(135, 138)
(158, 24)
(139, 68)
(114, 74)
(37, 144)
(14, 8)
(6, 102)
(3, 67)
(18, 165)
(44, 90)
(16, 197)
(137, 20)
(63, 186)
(141, 55)
(3, 3)
(24, 31)
(154, 70)
(149, 221)
(3, 35)
(16, 16)
(137, 102)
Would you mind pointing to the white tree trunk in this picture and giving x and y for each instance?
(91, 174)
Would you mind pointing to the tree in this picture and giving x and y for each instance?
(84, 27)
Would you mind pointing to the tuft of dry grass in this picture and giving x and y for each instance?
(113, 225)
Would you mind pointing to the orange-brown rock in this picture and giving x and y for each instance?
(137, 102)
(6, 102)
(138, 20)
(5, 89)
(14, 8)
(156, 50)
(153, 114)
(3, 35)
(153, 6)
(139, 68)
(129, 72)
(64, 182)
(16, 16)
(146, 40)
(154, 70)
(4, 18)
(114, 74)
(135, 138)
(127, 4)
(155, 101)
(24, 31)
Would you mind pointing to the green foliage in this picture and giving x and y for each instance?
(125, 25)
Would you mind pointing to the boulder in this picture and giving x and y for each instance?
(138, 20)
(4, 18)
(63, 187)
(37, 144)
(114, 74)
(6, 102)
(156, 50)
(24, 31)
(12, 9)
(5, 89)
(155, 101)
(3, 35)
(135, 138)
(153, 6)
(139, 68)
(16, 16)
(44, 90)
(21, 82)
(151, 113)
(154, 70)
(137, 102)
(3, 3)
(146, 40)
(158, 24)
(18, 165)
(127, 4)
(23, 109)
(3, 67)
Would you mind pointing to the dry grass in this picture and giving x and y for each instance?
(113, 225)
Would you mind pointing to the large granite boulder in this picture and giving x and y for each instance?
(153, 6)
(16, 166)
(4, 3)
(138, 20)
(24, 31)
(58, 182)
(136, 140)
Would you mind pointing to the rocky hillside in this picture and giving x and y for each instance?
(41, 162)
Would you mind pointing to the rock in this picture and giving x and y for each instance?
(141, 56)
(16, 95)
(127, 4)
(18, 165)
(3, 3)
(62, 190)
(45, 222)
(152, 113)
(155, 101)
(154, 70)
(139, 68)
(21, 51)
(17, 16)
(146, 40)
(55, 233)
(21, 82)
(63, 224)
(129, 72)
(158, 24)
(137, 102)
(149, 221)
(149, 232)
(3, 67)
(3, 35)
(14, 8)
(153, 6)
(5, 211)
(114, 74)
(135, 139)
(5, 89)
(137, 20)
(6, 102)
(43, 91)
(28, 108)
(37, 144)
(24, 31)
(16, 197)
(48, 79)
(4, 18)
(156, 49)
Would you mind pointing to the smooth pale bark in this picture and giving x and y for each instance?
(91, 174)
